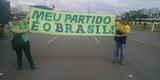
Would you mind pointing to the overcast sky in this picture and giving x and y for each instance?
(95, 6)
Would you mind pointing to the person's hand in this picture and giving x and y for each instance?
(18, 31)
(27, 21)
(21, 31)
(27, 29)
(118, 35)
(122, 35)
(27, 17)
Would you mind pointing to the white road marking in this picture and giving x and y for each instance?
(1, 74)
(130, 77)
(142, 42)
(51, 40)
(96, 40)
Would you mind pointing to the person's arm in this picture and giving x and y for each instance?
(27, 22)
(27, 18)
(22, 31)
(8, 27)
(127, 31)
(28, 28)
(121, 35)
(11, 30)
(18, 31)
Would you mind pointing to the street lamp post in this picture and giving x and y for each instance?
(88, 6)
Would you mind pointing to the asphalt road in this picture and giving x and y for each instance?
(83, 58)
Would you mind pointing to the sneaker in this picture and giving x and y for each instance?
(120, 63)
(113, 61)
(33, 67)
(19, 67)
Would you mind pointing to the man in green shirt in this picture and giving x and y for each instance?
(21, 28)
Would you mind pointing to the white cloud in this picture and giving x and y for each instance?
(97, 6)
(105, 6)
(27, 3)
(13, 5)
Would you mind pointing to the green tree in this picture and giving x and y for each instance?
(133, 17)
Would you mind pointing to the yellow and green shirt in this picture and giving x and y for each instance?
(122, 28)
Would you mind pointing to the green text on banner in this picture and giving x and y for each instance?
(68, 23)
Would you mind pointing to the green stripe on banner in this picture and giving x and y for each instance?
(68, 23)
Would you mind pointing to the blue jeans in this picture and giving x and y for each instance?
(119, 52)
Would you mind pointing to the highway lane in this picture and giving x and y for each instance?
(82, 58)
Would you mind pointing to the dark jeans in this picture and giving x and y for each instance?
(119, 52)
(26, 49)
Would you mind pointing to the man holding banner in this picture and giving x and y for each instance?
(122, 30)
(20, 40)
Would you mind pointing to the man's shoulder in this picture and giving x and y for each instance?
(118, 24)
(128, 26)
(10, 24)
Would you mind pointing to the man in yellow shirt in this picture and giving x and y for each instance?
(122, 30)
